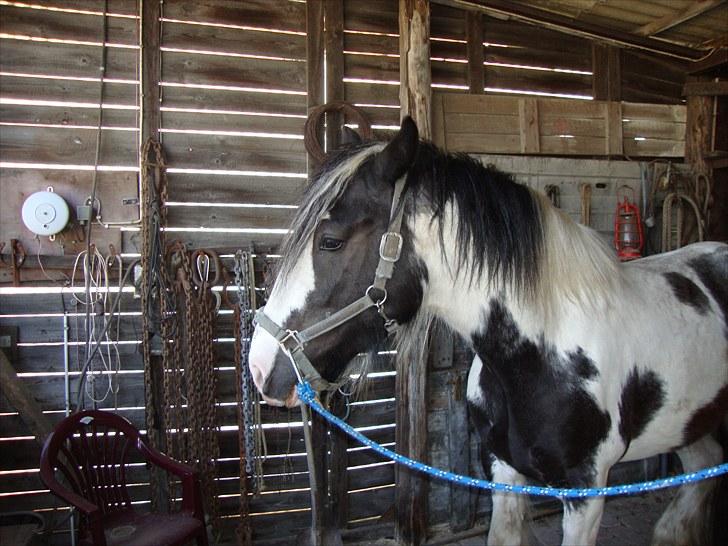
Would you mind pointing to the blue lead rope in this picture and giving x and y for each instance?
(307, 395)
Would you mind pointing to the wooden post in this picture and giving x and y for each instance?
(334, 44)
(151, 121)
(607, 72)
(22, 400)
(415, 76)
(476, 55)
(699, 129)
(411, 414)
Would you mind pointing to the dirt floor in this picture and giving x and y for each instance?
(627, 521)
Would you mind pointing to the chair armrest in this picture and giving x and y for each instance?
(84, 505)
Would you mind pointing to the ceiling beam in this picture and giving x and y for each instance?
(674, 19)
(567, 24)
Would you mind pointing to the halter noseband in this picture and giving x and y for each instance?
(292, 342)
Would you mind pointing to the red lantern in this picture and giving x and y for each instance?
(628, 238)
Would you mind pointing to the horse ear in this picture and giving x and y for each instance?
(349, 137)
(398, 155)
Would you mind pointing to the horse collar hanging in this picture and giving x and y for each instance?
(293, 342)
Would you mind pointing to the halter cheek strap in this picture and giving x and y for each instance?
(292, 342)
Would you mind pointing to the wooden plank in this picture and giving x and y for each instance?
(50, 329)
(70, 60)
(215, 120)
(57, 25)
(654, 148)
(529, 126)
(482, 143)
(372, 16)
(116, 8)
(525, 35)
(654, 112)
(614, 128)
(75, 91)
(22, 304)
(225, 217)
(195, 68)
(476, 52)
(471, 104)
(68, 116)
(438, 121)
(653, 129)
(537, 58)
(285, 16)
(240, 41)
(570, 108)
(581, 145)
(209, 188)
(706, 88)
(234, 153)
(482, 122)
(71, 145)
(22, 399)
(554, 126)
(197, 98)
(606, 80)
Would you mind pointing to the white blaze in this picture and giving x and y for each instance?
(288, 295)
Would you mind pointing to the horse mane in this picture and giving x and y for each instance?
(511, 232)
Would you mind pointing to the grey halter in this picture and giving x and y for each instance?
(293, 342)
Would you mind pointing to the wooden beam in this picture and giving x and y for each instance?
(410, 385)
(476, 54)
(699, 131)
(415, 76)
(710, 89)
(334, 44)
(681, 16)
(315, 63)
(566, 24)
(607, 72)
(150, 60)
(22, 399)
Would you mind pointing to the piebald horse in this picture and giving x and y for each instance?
(582, 362)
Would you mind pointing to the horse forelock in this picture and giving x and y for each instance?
(319, 197)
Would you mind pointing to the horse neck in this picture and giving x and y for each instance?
(576, 271)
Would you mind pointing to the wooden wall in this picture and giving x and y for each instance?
(233, 104)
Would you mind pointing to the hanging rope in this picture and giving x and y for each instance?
(156, 296)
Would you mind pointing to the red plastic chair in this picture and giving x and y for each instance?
(90, 450)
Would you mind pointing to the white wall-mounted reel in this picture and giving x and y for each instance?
(45, 213)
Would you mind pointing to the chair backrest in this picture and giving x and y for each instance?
(89, 451)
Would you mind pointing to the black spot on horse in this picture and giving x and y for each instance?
(642, 396)
(712, 270)
(688, 292)
(582, 364)
(707, 418)
(537, 416)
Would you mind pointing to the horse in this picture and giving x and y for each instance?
(581, 361)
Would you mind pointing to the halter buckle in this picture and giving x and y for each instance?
(390, 247)
(295, 336)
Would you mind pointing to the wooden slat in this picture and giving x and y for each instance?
(234, 153)
(372, 16)
(211, 121)
(289, 16)
(235, 189)
(537, 57)
(656, 129)
(233, 40)
(52, 115)
(654, 147)
(183, 67)
(654, 112)
(67, 59)
(573, 146)
(67, 146)
(77, 91)
(11, 304)
(67, 26)
(479, 143)
(211, 217)
(115, 8)
(50, 329)
(237, 100)
(537, 81)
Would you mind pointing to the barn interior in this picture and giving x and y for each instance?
(152, 155)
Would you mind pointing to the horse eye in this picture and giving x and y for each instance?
(331, 244)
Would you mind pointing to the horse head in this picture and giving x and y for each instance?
(331, 260)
